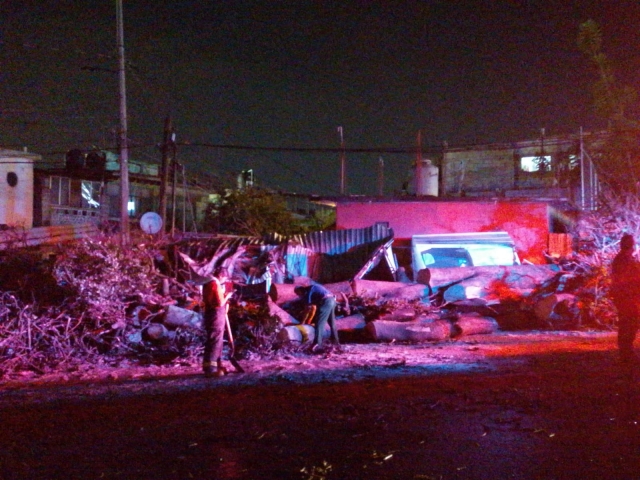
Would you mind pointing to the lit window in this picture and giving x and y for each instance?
(90, 192)
(536, 164)
(574, 161)
(131, 207)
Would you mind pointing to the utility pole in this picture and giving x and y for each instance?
(174, 172)
(542, 163)
(380, 177)
(123, 144)
(343, 166)
(167, 159)
(418, 170)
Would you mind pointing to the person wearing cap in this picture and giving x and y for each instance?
(625, 293)
(325, 303)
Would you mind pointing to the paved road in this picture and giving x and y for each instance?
(560, 415)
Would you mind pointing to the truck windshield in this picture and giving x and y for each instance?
(446, 257)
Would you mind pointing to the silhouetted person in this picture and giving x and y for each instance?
(625, 293)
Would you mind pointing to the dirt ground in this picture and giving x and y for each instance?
(529, 405)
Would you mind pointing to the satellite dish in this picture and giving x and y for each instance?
(151, 223)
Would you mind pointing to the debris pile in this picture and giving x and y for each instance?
(94, 302)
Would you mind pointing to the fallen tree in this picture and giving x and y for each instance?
(432, 331)
(95, 302)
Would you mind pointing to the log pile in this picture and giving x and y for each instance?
(462, 302)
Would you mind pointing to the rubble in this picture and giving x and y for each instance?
(146, 303)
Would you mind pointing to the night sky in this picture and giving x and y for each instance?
(286, 74)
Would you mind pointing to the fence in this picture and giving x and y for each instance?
(21, 237)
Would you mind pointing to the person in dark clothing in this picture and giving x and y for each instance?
(625, 293)
(325, 303)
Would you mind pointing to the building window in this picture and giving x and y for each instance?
(536, 164)
(67, 192)
(12, 179)
(60, 191)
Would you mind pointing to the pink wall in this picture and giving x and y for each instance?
(526, 222)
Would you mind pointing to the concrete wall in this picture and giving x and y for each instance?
(481, 170)
(526, 222)
(487, 168)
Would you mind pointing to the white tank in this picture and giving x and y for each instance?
(427, 183)
(16, 188)
(245, 179)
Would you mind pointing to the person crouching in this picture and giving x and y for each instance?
(325, 303)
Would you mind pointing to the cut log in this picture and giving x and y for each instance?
(389, 290)
(477, 306)
(296, 334)
(175, 317)
(350, 327)
(381, 331)
(545, 307)
(339, 288)
(471, 324)
(349, 324)
(283, 316)
(285, 293)
(518, 277)
(155, 332)
(399, 315)
(521, 276)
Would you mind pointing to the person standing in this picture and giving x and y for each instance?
(625, 293)
(325, 303)
(215, 301)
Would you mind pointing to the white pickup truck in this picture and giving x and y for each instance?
(462, 250)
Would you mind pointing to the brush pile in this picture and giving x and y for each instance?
(93, 303)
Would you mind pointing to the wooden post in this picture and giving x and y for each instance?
(164, 172)
(122, 137)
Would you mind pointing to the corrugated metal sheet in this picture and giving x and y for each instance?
(325, 257)
(334, 242)
(335, 255)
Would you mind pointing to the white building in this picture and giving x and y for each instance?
(16, 188)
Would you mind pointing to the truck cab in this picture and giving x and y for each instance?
(455, 250)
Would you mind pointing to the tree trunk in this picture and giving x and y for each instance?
(474, 325)
(389, 290)
(175, 317)
(297, 334)
(156, 332)
(351, 325)
(381, 331)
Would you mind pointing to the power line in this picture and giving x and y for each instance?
(335, 150)
(303, 149)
